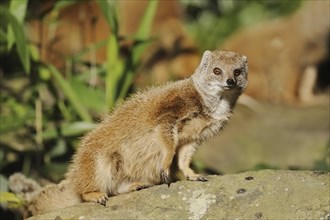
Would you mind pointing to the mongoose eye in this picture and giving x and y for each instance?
(237, 72)
(217, 71)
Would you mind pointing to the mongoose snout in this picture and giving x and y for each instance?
(231, 82)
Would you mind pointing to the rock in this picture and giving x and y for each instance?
(282, 137)
(267, 194)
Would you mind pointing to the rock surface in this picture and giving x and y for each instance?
(281, 137)
(267, 194)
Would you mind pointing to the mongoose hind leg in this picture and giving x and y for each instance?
(97, 197)
(169, 148)
(184, 158)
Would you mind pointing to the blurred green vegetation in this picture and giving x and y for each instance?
(43, 109)
(211, 22)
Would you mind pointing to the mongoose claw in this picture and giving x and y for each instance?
(202, 178)
(103, 200)
(197, 178)
(165, 177)
(142, 187)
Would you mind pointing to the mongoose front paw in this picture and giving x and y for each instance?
(165, 177)
(197, 177)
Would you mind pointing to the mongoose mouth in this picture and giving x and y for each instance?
(230, 87)
(233, 88)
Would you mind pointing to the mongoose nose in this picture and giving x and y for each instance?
(230, 82)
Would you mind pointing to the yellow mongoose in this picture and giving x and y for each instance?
(134, 147)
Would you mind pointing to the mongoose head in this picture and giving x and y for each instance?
(221, 72)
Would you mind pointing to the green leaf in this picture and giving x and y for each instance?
(18, 10)
(120, 76)
(55, 170)
(68, 130)
(34, 52)
(115, 68)
(145, 26)
(108, 9)
(70, 94)
(59, 4)
(11, 200)
(3, 183)
(17, 117)
(143, 33)
(3, 36)
(19, 38)
(11, 123)
(126, 85)
(114, 63)
(59, 149)
(88, 49)
(93, 98)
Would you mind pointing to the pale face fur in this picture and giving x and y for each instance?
(227, 62)
(213, 86)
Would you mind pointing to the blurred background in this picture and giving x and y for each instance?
(65, 63)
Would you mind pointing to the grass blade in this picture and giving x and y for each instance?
(120, 78)
(142, 35)
(68, 130)
(59, 4)
(70, 94)
(108, 9)
(115, 69)
(18, 10)
(19, 38)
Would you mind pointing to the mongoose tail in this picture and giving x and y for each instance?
(54, 196)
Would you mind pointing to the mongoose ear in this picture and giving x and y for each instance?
(244, 58)
(206, 58)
